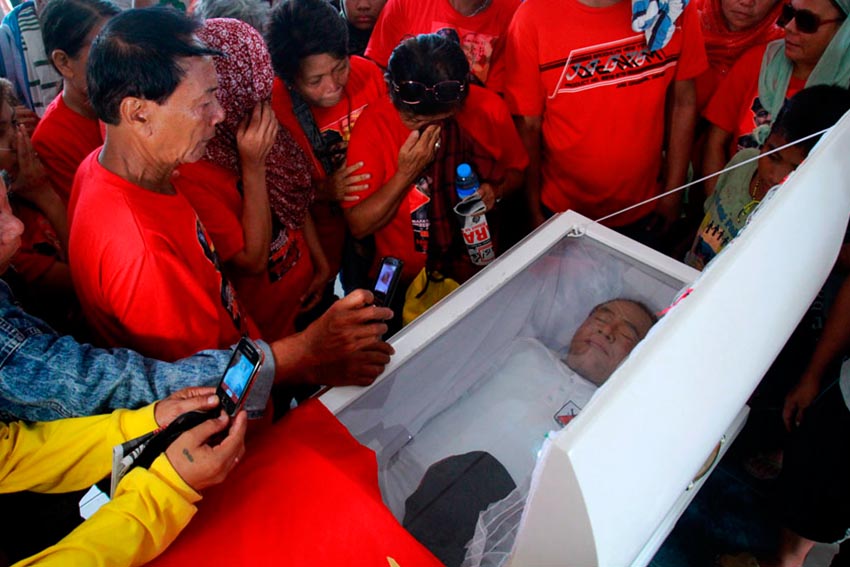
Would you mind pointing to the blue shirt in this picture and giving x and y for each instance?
(44, 376)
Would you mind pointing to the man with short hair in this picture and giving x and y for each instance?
(146, 272)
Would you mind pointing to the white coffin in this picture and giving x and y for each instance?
(609, 487)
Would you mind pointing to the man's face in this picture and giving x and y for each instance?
(11, 229)
(363, 13)
(605, 338)
(185, 123)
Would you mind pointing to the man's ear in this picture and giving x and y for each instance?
(136, 112)
(62, 62)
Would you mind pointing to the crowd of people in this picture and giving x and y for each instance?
(210, 171)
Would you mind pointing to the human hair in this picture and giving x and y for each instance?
(65, 24)
(7, 93)
(639, 304)
(255, 13)
(811, 110)
(137, 54)
(301, 28)
(428, 59)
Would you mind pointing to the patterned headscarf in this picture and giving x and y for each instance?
(245, 78)
(723, 46)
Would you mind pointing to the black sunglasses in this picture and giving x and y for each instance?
(807, 21)
(414, 92)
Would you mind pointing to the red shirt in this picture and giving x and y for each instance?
(272, 299)
(145, 270)
(365, 84)
(602, 96)
(482, 36)
(735, 106)
(63, 139)
(379, 135)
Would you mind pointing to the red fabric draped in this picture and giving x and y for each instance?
(305, 494)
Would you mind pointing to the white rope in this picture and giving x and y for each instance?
(579, 231)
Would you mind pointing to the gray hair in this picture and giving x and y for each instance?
(255, 13)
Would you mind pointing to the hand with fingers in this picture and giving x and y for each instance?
(798, 401)
(256, 135)
(199, 398)
(31, 179)
(350, 325)
(418, 151)
(345, 183)
(360, 368)
(489, 194)
(202, 465)
(27, 118)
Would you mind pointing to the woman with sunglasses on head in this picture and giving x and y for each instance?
(411, 143)
(815, 51)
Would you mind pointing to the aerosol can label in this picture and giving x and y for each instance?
(475, 230)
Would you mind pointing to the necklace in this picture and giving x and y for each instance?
(748, 208)
(481, 7)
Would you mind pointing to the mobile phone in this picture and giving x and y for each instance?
(239, 376)
(387, 281)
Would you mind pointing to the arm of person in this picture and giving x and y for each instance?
(68, 454)
(33, 185)
(833, 343)
(48, 377)
(151, 507)
(683, 117)
(321, 268)
(378, 209)
(346, 337)
(714, 156)
(255, 138)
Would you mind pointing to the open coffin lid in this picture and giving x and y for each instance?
(608, 488)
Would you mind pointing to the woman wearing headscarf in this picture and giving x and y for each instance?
(253, 192)
(730, 28)
(815, 51)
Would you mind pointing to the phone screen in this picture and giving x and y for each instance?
(385, 277)
(236, 378)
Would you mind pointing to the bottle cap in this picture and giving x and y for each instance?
(464, 170)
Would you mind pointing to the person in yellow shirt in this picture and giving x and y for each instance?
(150, 506)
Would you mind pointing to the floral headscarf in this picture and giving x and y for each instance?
(245, 79)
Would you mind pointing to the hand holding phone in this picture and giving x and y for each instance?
(231, 392)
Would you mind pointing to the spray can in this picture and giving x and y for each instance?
(470, 212)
